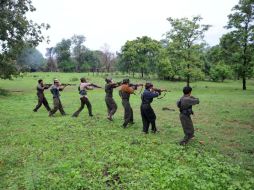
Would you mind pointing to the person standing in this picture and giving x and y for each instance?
(125, 92)
(147, 112)
(185, 107)
(83, 87)
(41, 97)
(56, 98)
(110, 102)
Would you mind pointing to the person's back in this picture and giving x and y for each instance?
(185, 107)
(109, 90)
(126, 91)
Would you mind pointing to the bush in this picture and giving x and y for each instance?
(220, 71)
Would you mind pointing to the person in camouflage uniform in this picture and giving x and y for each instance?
(185, 107)
(56, 98)
(41, 97)
(110, 102)
(147, 113)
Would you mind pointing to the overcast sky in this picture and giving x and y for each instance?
(115, 21)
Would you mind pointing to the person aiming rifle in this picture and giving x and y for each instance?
(41, 97)
(110, 102)
(55, 91)
(147, 112)
(83, 87)
(126, 90)
(185, 107)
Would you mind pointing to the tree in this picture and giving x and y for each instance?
(63, 54)
(242, 31)
(107, 57)
(30, 60)
(141, 54)
(51, 60)
(185, 38)
(231, 53)
(16, 32)
(78, 49)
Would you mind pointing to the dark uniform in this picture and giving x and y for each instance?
(147, 113)
(125, 93)
(185, 106)
(56, 100)
(110, 102)
(41, 98)
(83, 100)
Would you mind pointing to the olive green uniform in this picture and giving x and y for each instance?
(110, 102)
(56, 101)
(125, 93)
(41, 98)
(185, 106)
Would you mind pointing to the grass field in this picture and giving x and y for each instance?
(38, 152)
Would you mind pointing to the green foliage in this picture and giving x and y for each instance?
(220, 71)
(184, 45)
(241, 25)
(141, 55)
(63, 52)
(16, 32)
(78, 49)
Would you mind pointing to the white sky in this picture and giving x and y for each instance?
(116, 21)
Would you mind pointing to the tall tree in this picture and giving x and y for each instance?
(78, 49)
(63, 54)
(186, 37)
(16, 32)
(107, 57)
(242, 30)
(141, 54)
(51, 59)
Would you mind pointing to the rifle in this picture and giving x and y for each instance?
(47, 86)
(95, 86)
(135, 86)
(67, 84)
(160, 91)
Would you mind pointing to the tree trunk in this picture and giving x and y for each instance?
(188, 75)
(142, 73)
(244, 81)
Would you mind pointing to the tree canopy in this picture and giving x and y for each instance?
(16, 33)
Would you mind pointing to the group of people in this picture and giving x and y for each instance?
(148, 115)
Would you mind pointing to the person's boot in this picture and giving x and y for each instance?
(110, 118)
(184, 141)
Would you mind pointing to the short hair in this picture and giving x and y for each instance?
(108, 80)
(148, 85)
(187, 89)
(83, 79)
(40, 80)
(126, 81)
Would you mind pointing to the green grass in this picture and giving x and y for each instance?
(38, 152)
